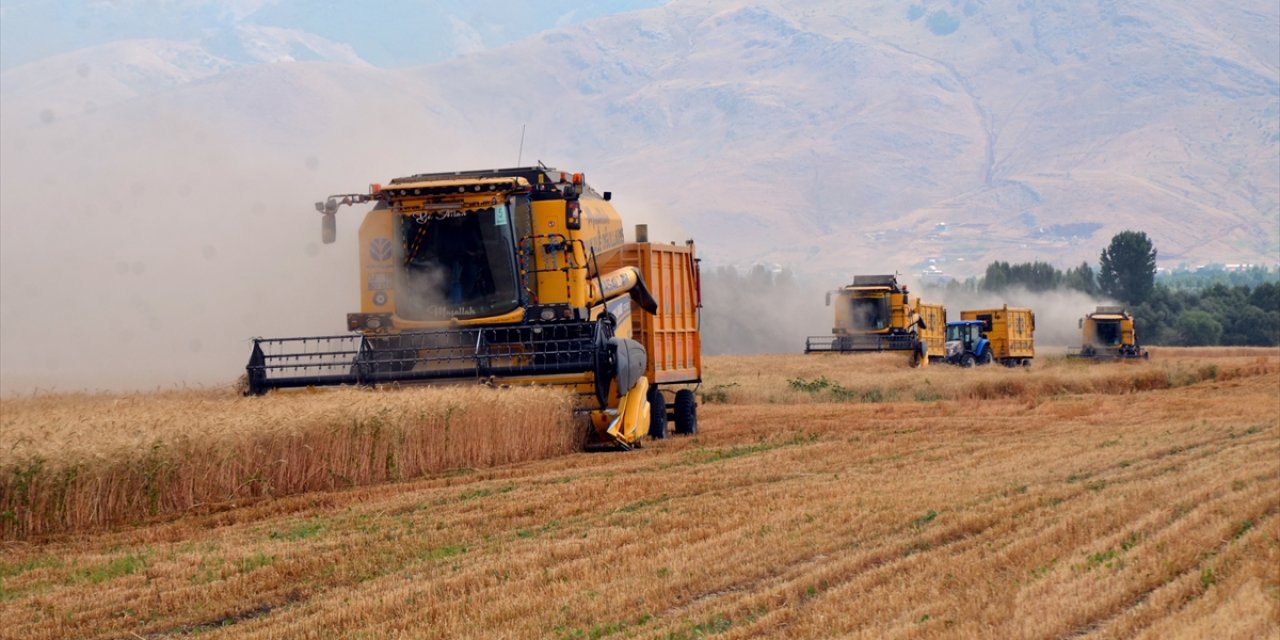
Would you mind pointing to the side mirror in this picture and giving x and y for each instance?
(328, 228)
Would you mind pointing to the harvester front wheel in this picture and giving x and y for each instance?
(657, 413)
(686, 410)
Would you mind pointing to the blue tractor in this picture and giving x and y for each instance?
(966, 344)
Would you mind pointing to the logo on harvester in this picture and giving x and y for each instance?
(380, 249)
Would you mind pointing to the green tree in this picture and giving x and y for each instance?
(1035, 276)
(1127, 270)
(1199, 328)
(1266, 296)
(997, 276)
(1081, 278)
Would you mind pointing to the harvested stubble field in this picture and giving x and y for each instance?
(826, 496)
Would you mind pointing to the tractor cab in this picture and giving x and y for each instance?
(966, 344)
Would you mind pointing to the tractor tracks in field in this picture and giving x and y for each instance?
(1053, 511)
(1185, 579)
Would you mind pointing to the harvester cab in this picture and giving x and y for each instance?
(508, 276)
(877, 313)
(1108, 334)
(967, 343)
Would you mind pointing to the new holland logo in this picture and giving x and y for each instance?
(380, 249)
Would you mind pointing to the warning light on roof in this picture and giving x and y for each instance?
(375, 189)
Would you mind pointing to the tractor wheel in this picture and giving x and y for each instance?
(985, 358)
(686, 410)
(657, 414)
(967, 360)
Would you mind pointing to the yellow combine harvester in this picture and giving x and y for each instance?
(876, 313)
(510, 276)
(1108, 335)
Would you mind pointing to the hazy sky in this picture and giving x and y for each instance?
(389, 33)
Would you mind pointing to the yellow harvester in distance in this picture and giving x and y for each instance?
(1108, 335)
(876, 313)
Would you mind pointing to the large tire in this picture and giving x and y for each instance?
(985, 358)
(967, 360)
(686, 410)
(657, 414)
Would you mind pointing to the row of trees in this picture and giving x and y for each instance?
(1209, 314)
(1127, 271)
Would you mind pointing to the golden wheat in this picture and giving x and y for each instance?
(76, 461)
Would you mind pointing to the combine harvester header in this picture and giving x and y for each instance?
(510, 276)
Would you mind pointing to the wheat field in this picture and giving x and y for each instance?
(824, 497)
(82, 461)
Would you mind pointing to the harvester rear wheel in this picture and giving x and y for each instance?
(657, 414)
(686, 410)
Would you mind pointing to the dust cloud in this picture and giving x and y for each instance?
(743, 314)
(142, 247)
(1057, 312)
(144, 244)
(751, 312)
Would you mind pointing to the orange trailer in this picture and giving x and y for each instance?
(671, 335)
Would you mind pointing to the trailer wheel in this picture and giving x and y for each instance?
(967, 360)
(686, 410)
(657, 414)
